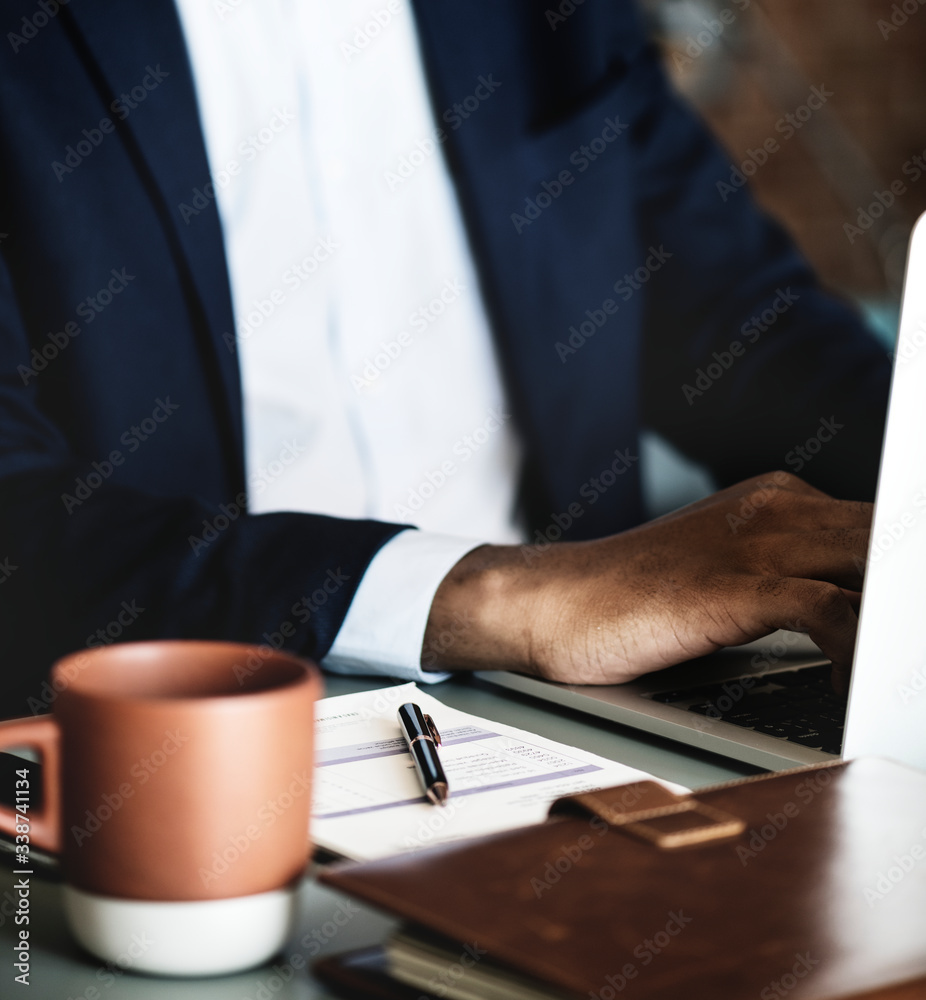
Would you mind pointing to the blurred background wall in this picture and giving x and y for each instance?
(850, 180)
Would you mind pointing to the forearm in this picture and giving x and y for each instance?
(474, 622)
(708, 576)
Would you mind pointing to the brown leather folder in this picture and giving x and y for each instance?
(804, 884)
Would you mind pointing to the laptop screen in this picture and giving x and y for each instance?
(887, 700)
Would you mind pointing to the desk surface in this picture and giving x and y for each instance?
(328, 922)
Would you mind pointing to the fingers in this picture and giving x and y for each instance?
(854, 597)
(750, 494)
(789, 511)
(825, 611)
(839, 678)
(778, 501)
(787, 481)
(826, 513)
(836, 556)
(841, 674)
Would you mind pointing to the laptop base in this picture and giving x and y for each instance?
(632, 704)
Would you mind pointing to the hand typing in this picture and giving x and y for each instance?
(760, 555)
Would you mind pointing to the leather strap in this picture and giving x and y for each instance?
(649, 811)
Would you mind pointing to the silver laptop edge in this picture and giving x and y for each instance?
(629, 705)
(887, 699)
(887, 696)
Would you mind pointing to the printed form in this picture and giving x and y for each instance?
(369, 803)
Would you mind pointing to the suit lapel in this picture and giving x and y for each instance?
(139, 47)
(539, 281)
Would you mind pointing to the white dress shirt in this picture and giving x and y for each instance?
(371, 387)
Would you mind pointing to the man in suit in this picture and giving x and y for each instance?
(215, 226)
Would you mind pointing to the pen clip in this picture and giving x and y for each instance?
(435, 735)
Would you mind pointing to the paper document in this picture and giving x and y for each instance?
(369, 803)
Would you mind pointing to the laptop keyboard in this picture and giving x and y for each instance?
(796, 705)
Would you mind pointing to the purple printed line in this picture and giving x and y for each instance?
(392, 748)
(533, 779)
(360, 751)
(370, 809)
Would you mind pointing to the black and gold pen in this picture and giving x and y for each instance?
(423, 739)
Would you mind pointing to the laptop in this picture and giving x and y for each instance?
(770, 703)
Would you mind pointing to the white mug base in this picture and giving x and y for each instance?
(185, 938)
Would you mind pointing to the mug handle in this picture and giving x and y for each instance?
(42, 733)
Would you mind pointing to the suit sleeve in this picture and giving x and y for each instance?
(131, 565)
(741, 344)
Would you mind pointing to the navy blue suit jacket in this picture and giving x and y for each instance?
(120, 405)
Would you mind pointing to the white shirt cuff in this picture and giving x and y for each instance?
(384, 628)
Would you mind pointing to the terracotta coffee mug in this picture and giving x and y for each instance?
(177, 792)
